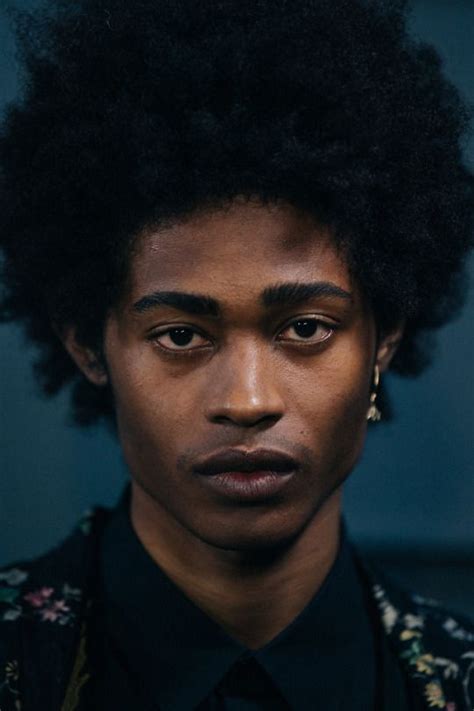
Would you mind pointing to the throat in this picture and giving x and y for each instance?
(255, 596)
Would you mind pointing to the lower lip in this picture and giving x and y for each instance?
(247, 486)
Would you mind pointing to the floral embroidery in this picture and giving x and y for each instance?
(42, 603)
(435, 696)
(450, 668)
(425, 601)
(85, 524)
(40, 597)
(389, 612)
(14, 576)
(56, 612)
(10, 683)
(79, 676)
(409, 634)
(425, 664)
(467, 678)
(413, 621)
(412, 628)
(409, 629)
(53, 609)
(455, 630)
(9, 593)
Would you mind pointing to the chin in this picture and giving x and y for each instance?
(263, 536)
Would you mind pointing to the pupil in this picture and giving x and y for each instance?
(181, 336)
(305, 328)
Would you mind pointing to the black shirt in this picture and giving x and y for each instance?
(156, 649)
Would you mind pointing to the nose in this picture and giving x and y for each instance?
(244, 389)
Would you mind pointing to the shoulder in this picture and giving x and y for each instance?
(42, 601)
(407, 609)
(434, 644)
(42, 588)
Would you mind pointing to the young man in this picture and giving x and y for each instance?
(223, 223)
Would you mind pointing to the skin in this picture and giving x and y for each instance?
(248, 379)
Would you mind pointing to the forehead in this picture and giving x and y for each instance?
(236, 251)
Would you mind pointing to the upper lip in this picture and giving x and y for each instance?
(231, 460)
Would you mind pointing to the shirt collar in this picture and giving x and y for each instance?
(180, 654)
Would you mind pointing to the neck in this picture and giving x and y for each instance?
(252, 596)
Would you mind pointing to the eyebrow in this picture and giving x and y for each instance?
(284, 294)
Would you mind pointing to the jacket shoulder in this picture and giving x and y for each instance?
(434, 644)
(41, 602)
(445, 628)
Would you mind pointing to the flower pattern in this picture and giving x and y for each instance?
(85, 524)
(43, 603)
(39, 597)
(422, 664)
(456, 631)
(14, 576)
(418, 627)
(389, 613)
(413, 622)
(435, 696)
(11, 678)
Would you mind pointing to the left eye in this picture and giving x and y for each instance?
(310, 329)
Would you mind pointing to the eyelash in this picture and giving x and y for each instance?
(153, 337)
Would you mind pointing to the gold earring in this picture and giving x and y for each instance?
(374, 414)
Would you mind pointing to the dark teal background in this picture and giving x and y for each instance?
(411, 499)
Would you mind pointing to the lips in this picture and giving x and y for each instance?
(238, 460)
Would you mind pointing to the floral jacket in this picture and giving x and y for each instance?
(45, 607)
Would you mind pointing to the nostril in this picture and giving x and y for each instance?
(245, 420)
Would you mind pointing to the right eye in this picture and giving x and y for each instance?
(177, 338)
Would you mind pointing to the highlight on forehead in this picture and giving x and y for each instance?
(290, 235)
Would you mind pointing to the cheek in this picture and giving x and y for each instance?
(145, 427)
(334, 404)
(152, 409)
(347, 426)
(335, 388)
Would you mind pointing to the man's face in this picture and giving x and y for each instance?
(294, 376)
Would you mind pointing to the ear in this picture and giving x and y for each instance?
(86, 360)
(388, 345)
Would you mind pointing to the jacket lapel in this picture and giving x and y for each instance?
(407, 626)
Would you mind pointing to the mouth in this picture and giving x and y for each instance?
(247, 475)
(248, 486)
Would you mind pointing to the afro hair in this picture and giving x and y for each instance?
(132, 114)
